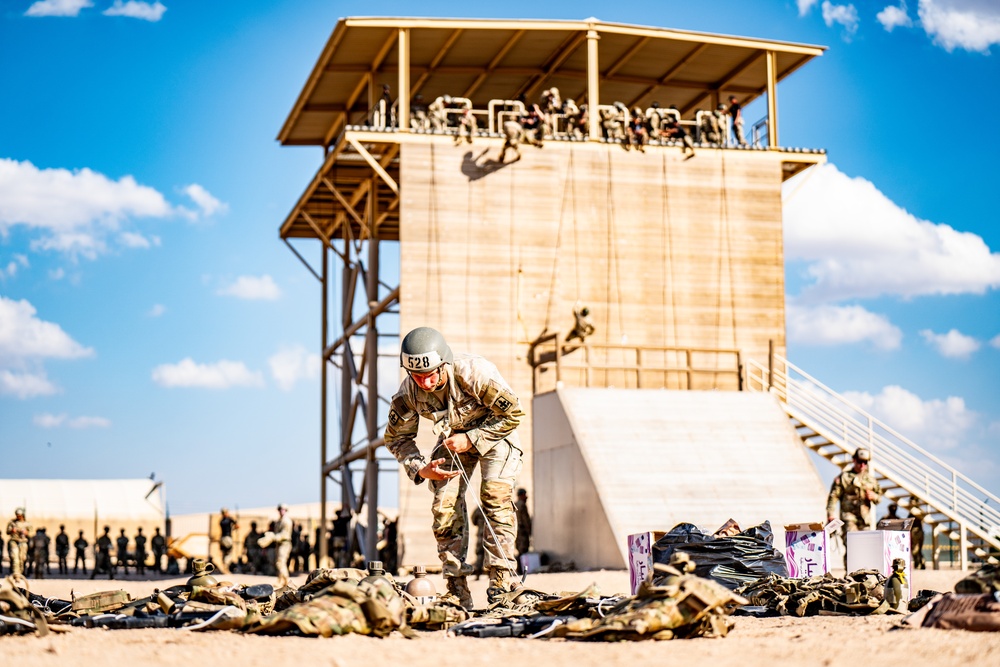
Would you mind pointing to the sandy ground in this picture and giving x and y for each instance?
(818, 640)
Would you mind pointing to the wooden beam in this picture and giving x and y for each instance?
(625, 57)
(343, 202)
(772, 101)
(452, 38)
(560, 55)
(724, 82)
(374, 164)
(670, 73)
(494, 63)
(341, 120)
(403, 85)
(593, 87)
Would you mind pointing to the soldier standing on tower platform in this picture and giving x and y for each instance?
(475, 415)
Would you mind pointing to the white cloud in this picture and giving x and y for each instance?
(25, 342)
(934, 423)
(57, 7)
(837, 325)
(261, 288)
(845, 15)
(220, 375)
(46, 420)
(995, 341)
(805, 6)
(291, 364)
(857, 243)
(208, 204)
(24, 336)
(894, 17)
(57, 274)
(75, 210)
(135, 240)
(17, 262)
(25, 384)
(973, 25)
(157, 310)
(136, 10)
(954, 344)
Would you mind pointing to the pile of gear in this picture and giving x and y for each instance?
(860, 593)
(347, 600)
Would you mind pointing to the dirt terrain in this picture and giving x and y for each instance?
(817, 640)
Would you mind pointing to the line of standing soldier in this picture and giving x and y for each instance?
(29, 554)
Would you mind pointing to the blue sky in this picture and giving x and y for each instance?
(152, 321)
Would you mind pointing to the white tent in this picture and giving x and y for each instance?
(85, 504)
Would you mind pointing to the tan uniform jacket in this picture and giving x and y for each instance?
(476, 401)
(849, 488)
(18, 531)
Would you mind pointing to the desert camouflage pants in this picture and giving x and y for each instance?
(18, 554)
(283, 552)
(499, 469)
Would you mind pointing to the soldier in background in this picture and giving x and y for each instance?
(283, 544)
(227, 525)
(339, 535)
(102, 555)
(251, 548)
(159, 546)
(671, 129)
(140, 552)
(293, 558)
(736, 113)
(857, 491)
(80, 544)
(18, 530)
(436, 112)
(654, 118)
(418, 114)
(62, 550)
(122, 543)
(40, 544)
(523, 541)
(636, 132)
(917, 537)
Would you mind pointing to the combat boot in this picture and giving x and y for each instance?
(502, 581)
(459, 588)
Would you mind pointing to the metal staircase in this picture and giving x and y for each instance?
(948, 502)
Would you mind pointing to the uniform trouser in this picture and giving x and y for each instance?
(140, 562)
(499, 469)
(282, 553)
(18, 554)
(738, 132)
(41, 562)
(63, 565)
(81, 561)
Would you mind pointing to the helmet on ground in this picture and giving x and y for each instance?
(423, 350)
(862, 454)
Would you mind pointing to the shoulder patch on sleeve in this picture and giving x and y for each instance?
(499, 398)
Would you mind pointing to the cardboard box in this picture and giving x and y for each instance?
(807, 549)
(640, 557)
(876, 549)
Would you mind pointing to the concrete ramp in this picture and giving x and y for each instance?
(611, 462)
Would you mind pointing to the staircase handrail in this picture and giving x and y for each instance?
(829, 407)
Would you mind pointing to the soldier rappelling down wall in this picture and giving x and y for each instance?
(475, 415)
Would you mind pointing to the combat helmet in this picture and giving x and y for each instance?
(19, 511)
(423, 350)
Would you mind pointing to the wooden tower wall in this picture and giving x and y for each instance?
(665, 252)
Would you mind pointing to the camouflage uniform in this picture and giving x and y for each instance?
(17, 545)
(849, 489)
(478, 402)
(283, 540)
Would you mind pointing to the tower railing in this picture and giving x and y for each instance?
(839, 427)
